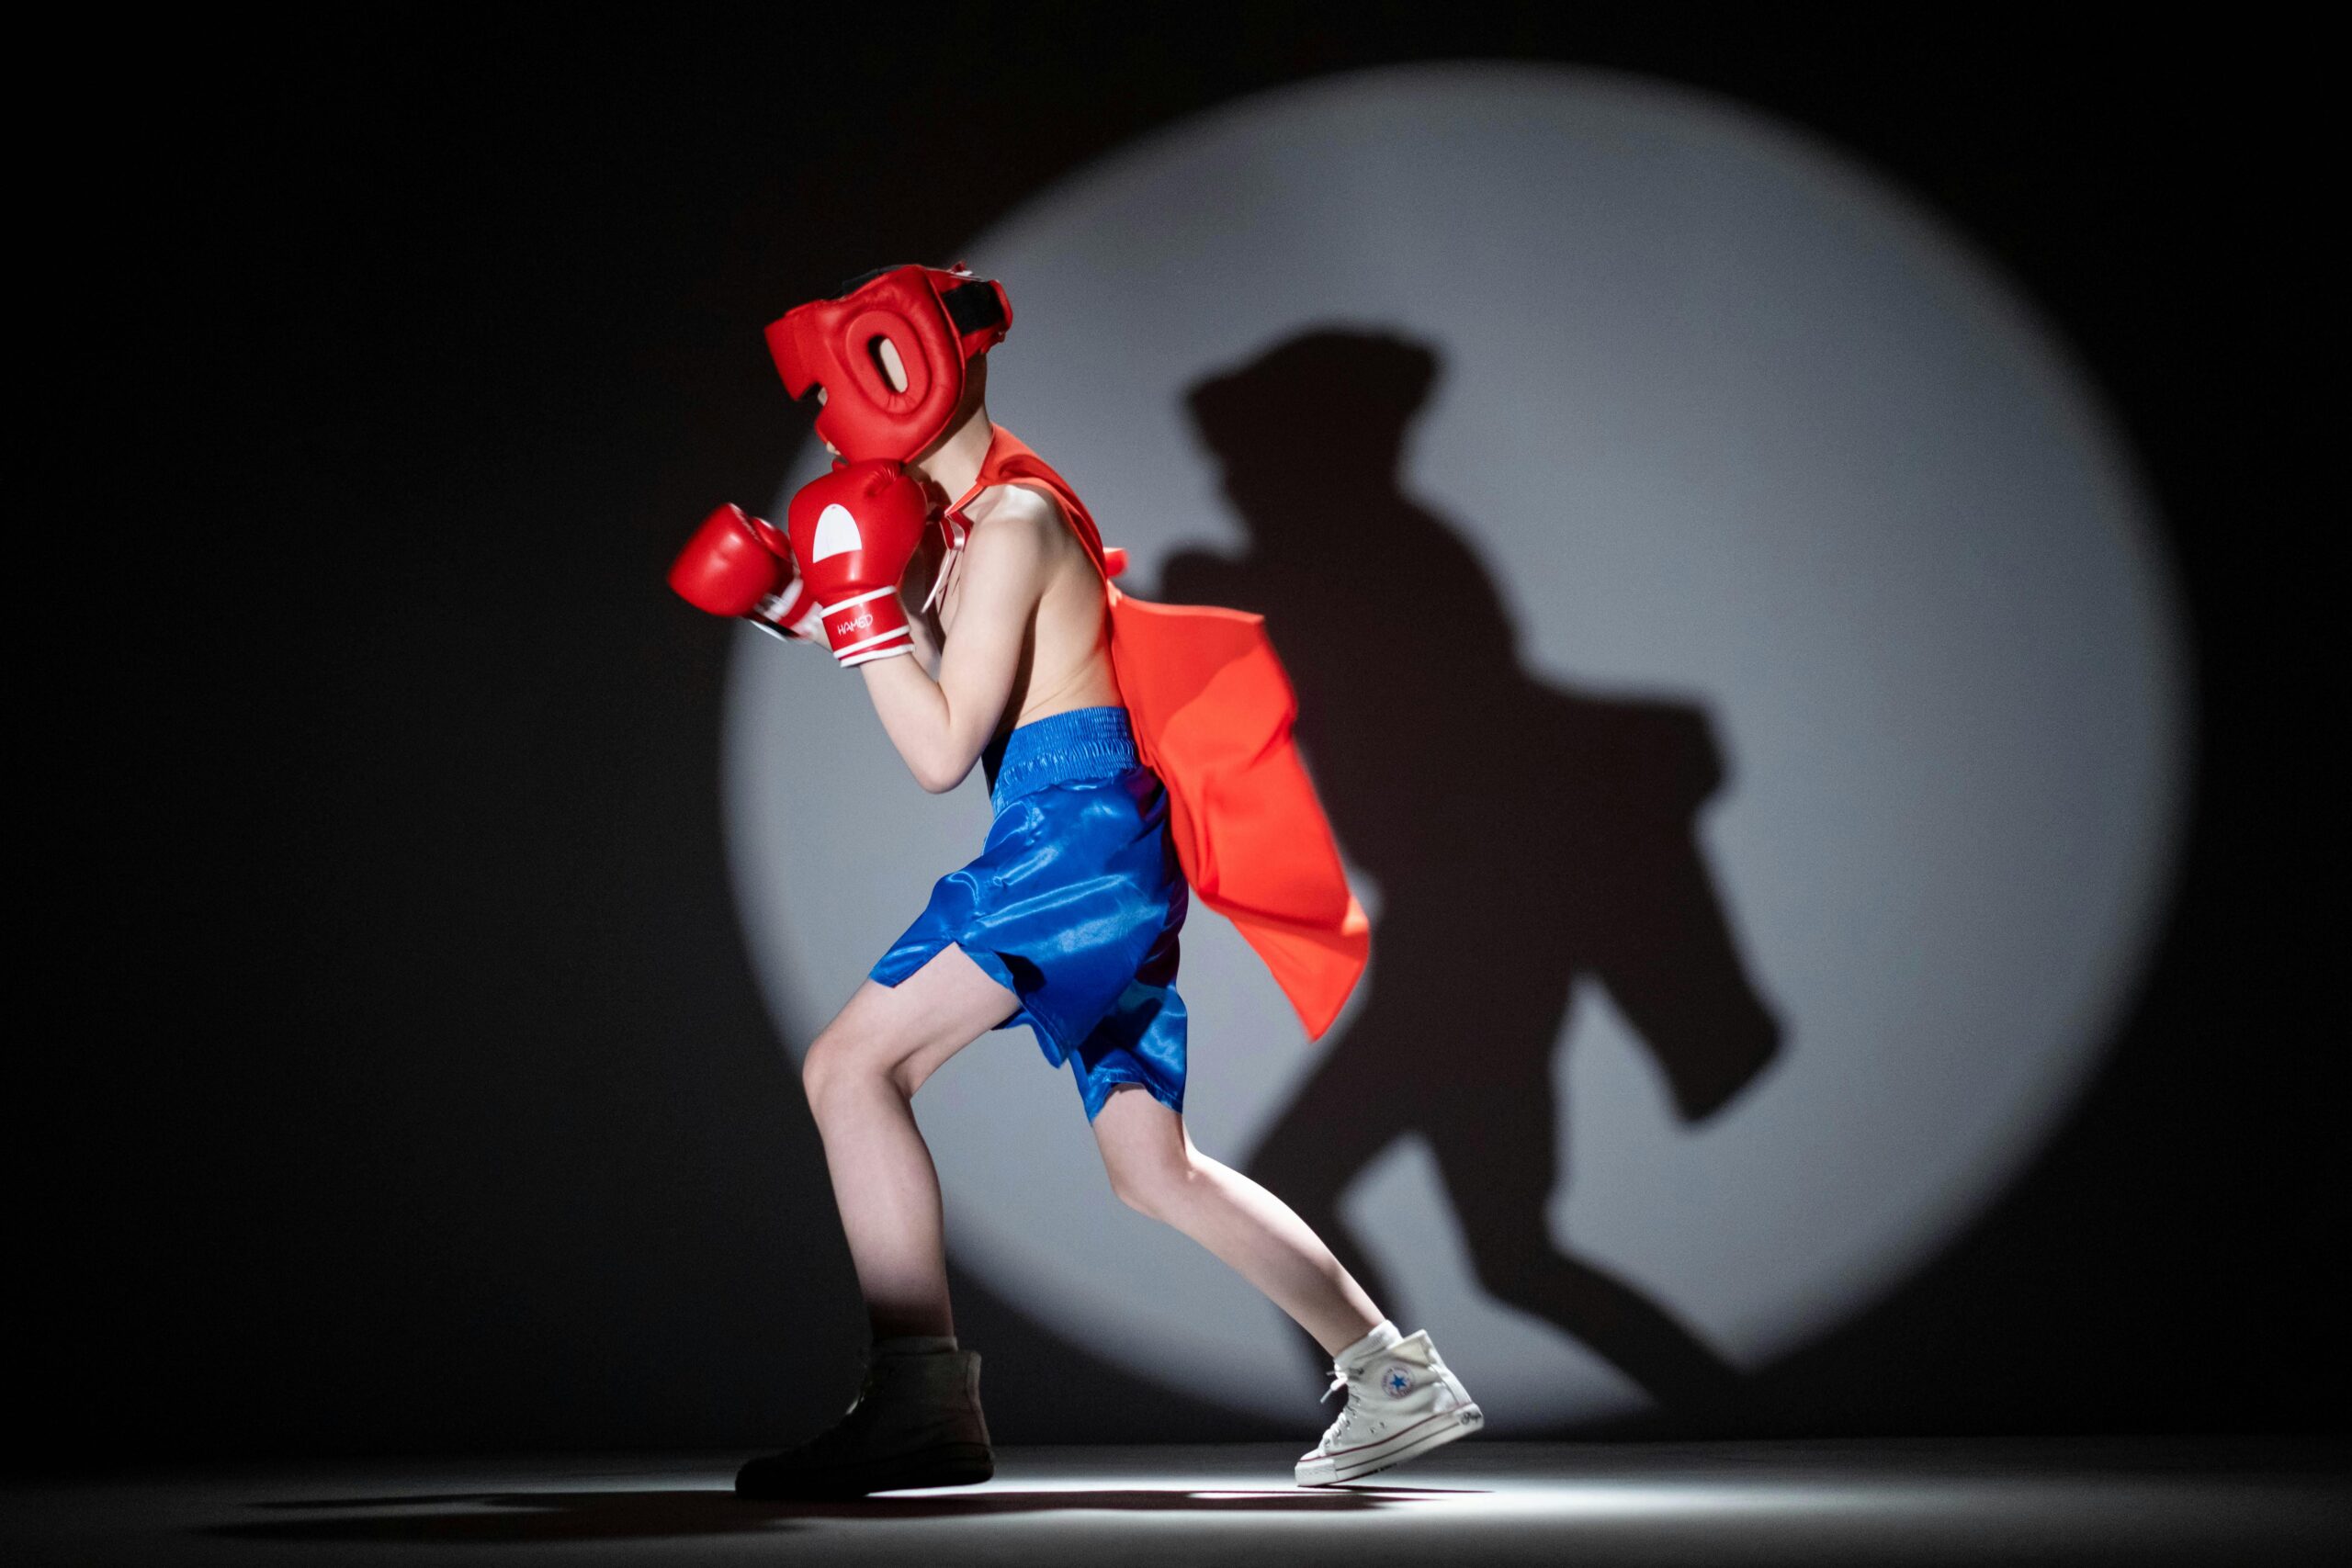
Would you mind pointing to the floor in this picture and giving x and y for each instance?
(1483, 1502)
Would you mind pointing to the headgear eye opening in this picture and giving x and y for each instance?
(881, 362)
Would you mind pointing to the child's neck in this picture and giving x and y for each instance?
(955, 462)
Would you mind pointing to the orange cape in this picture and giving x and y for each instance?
(1211, 710)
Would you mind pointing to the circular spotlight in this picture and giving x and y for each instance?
(1750, 455)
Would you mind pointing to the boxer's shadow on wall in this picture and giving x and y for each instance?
(1523, 835)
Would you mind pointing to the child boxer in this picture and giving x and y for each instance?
(1115, 773)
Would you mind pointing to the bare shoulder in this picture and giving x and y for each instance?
(1025, 509)
(1015, 523)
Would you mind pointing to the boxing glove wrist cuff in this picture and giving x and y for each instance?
(886, 649)
(879, 640)
(867, 625)
(865, 598)
(791, 613)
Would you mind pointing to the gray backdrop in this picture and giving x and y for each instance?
(1736, 433)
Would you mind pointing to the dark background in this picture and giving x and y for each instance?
(392, 1077)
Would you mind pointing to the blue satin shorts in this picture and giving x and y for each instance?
(1074, 906)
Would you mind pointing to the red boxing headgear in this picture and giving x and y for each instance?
(939, 320)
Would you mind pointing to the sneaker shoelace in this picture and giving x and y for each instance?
(1339, 1381)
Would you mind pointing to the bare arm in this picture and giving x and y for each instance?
(913, 589)
(941, 725)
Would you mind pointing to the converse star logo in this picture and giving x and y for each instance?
(1397, 1381)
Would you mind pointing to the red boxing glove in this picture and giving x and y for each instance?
(741, 566)
(854, 531)
(725, 568)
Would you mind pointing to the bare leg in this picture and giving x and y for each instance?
(862, 1070)
(1156, 1170)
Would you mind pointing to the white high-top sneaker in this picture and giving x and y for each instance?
(1402, 1401)
(916, 1422)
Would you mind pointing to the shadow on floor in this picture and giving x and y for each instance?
(650, 1514)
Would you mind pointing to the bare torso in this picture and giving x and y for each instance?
(1066, 653)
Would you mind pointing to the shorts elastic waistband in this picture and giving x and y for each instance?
(1077, 743)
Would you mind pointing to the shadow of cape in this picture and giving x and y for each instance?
(1523, 835)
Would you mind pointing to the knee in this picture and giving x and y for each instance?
(821, 1069)
(842, 1064)
(1156, 1188)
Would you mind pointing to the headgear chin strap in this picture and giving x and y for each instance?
(938, 318)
